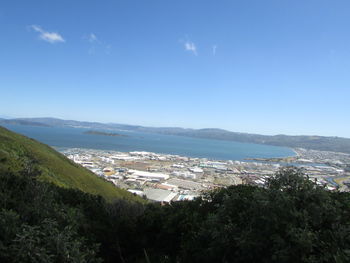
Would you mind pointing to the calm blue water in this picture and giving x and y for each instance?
(136, 141)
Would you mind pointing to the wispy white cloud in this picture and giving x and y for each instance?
(93, 38)
(51, 37)
(190, 46)
(214, 49)
(96, 44)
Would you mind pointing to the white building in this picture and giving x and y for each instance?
(148, 175)
(196, 170)
(159, 195)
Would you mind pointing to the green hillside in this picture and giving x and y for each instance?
(22, 155)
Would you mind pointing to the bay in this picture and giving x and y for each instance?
(158, 143)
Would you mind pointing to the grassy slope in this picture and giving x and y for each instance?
(17, 151)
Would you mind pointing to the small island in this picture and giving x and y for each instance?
(105, 133)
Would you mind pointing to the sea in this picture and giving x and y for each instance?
(59, 137)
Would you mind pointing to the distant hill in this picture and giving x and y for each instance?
(23, 122)
(19, 154)
(323, 143)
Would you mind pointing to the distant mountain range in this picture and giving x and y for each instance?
(323, 143)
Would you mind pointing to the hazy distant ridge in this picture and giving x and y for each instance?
(336, 144)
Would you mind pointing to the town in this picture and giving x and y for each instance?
(165, 177)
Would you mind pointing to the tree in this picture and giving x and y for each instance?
(291, 219)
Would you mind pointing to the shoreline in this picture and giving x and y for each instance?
(158, 143)
(200, 170)
(245, 160)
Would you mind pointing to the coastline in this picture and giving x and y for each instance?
(122, 167)
(158, 143)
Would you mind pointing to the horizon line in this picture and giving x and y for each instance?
(169, 127)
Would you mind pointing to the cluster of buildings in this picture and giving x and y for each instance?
(166, 177)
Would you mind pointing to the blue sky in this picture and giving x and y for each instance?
(265, 67)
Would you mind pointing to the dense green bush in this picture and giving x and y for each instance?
(290, 220)
(40, 222)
